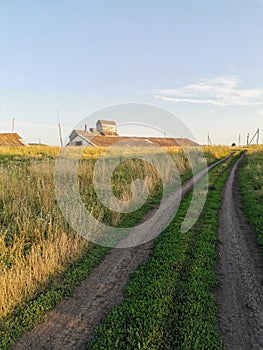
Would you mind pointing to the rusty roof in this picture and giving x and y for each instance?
(11, 139)
(128, 141)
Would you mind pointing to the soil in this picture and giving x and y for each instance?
(71, 323)
(241, 273)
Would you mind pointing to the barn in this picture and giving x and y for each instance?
(105, 135)
(85, 138)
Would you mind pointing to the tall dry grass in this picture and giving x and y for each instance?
(36, 243)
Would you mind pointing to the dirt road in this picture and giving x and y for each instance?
(72, 322)
(241, 273)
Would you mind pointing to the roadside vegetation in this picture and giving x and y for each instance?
(41, 257)
(251, 187)
(169, 301)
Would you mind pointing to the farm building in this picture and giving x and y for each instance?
(100, 137)
(107, 127)
(12, 140)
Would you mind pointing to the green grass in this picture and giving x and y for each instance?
(251, 189)
(169, 301)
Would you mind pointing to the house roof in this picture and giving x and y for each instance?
(82, 133)
(11, 139)
(127, 141)
(109, 122)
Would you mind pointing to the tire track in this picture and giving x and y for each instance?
(241, 271)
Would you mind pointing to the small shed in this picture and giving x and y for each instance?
(12, 140)
(106, 127)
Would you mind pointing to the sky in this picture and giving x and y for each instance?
(199, 60)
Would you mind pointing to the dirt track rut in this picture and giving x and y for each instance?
(69, 325)
(241, 272)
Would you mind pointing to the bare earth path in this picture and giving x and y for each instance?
(241, 273)
(71, 323)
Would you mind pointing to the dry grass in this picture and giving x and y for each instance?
(35, 241)
(254, 148)
(31, 272)
(31, 151)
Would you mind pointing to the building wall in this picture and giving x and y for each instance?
(79, 141)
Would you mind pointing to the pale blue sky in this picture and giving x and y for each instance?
(201, 60)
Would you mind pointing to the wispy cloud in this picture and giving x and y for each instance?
(220, 91)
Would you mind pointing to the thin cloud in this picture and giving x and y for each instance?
(221, 91)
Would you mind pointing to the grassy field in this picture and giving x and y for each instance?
(251, 186)
(39, 252)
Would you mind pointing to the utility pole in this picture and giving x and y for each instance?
(13, 125)
(255, 135)
(247, 139)
(209, 142)
(59, 130)
(239, 139)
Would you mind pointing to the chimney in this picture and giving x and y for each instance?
(86, 127)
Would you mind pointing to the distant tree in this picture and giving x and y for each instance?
(233, 144)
